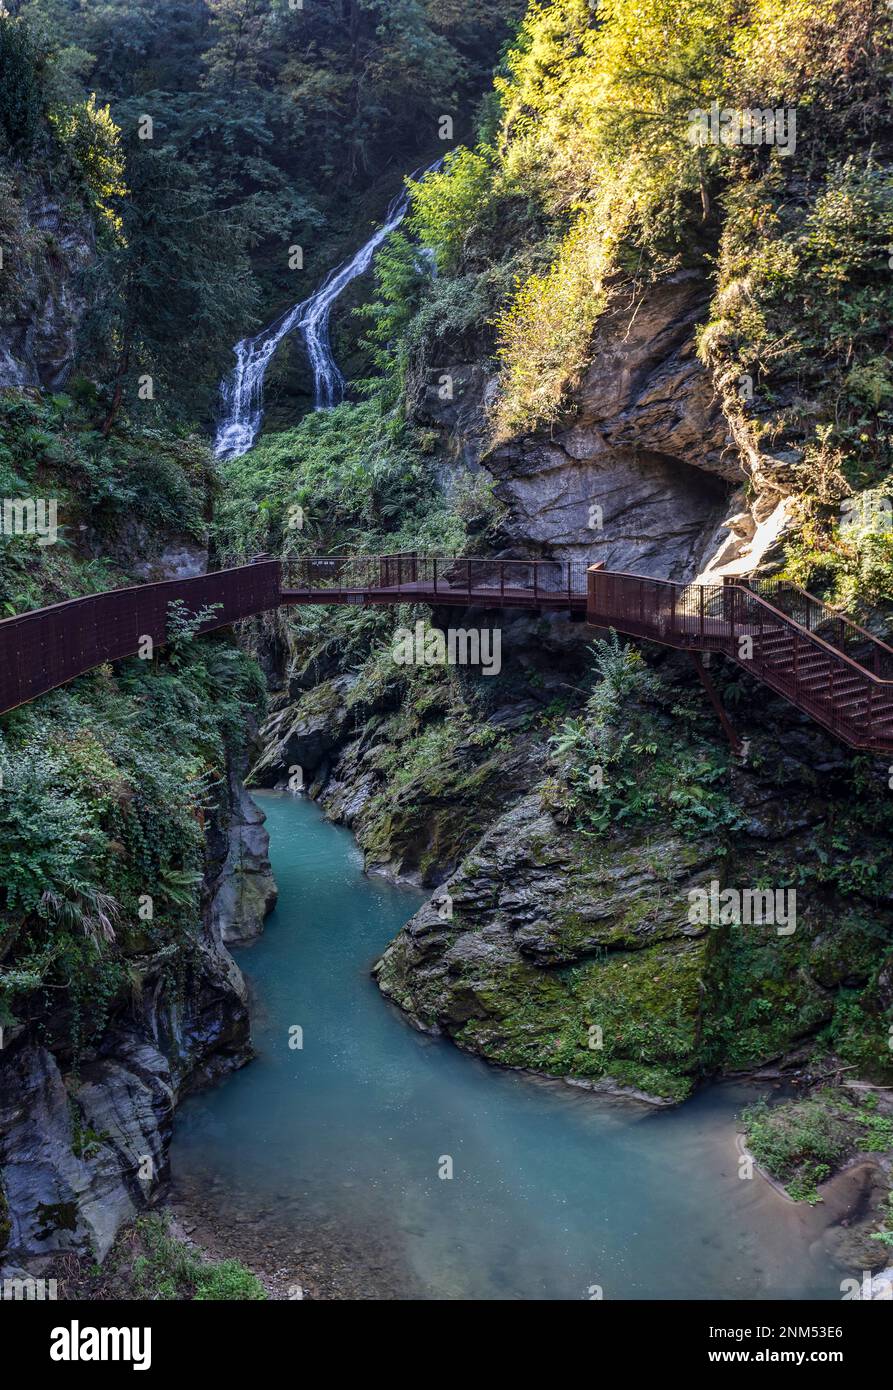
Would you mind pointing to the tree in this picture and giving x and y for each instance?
(176, 290)
(21, 96)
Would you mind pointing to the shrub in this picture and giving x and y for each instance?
(21, 98)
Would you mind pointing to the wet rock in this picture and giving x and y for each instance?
(530, 898)
(302, 734)
(244, 893)
(40, 321)
(81, 1154)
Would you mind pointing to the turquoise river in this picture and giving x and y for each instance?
(321, 1163)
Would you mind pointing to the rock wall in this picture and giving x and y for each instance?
(645, 473)
(40, 316)
(81, 1152)
(543, 935)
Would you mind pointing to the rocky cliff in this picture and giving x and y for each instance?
(49, 242)
(544, 928)
(645, 473)
(83, 1147)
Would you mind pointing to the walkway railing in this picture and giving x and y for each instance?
(824, 681)
(504, 583)
(49, 646)
(818, 659)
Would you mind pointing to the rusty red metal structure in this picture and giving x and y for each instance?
(49, 646)
(818, 659)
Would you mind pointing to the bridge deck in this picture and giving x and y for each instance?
(818, 659)
(479, 595)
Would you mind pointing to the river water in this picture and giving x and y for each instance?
(322, 1160)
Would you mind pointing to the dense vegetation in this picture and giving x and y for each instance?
(223, 133)
(270, 126)
(589, 159)
(802, 1144)
(156, 163)
(583, 182)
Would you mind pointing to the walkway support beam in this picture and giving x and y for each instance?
(713, 694)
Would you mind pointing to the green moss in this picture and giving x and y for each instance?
(629, 1014)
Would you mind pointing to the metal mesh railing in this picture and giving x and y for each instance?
(826, 622)
(509, 581)
(49, 646)
(796, 660)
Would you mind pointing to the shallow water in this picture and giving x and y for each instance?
(336, 1146)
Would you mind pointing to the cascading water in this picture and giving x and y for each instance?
(241, 393)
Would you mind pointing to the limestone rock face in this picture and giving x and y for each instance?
(640, 478)
(245, 892)
(39, 326)
(538, 938)
(302, 734)
(646, 473)
(578, 954)
(79, 1155)
(180, 559)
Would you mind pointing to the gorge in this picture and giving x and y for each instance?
(666, 358)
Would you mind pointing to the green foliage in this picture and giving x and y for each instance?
(594, 137)
(129, 492)
(596, 119)
(400, 275)
(172, 234)
(168, 1269)
(93, 818)
(803, 1142)
(91, 138)
(271, 124)
(449, 204)
(803, 308)
(183, 626)
(348, 479)
(616, 762)
(21, 96)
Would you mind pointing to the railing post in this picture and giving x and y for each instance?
(535, 581)
(435, 576)
(468, 577)
(592, 602)
(502, 579)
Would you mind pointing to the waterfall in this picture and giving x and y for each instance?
(241, 393)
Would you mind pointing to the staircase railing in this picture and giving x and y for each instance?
(825, 682)
(834, 627)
